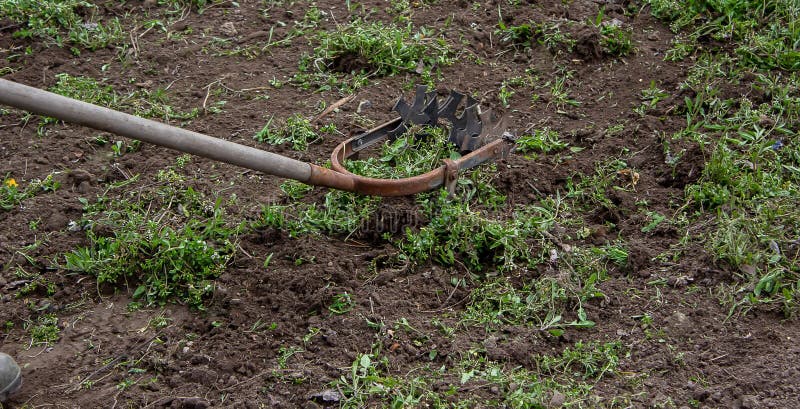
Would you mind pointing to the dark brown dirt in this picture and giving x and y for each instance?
(217, 358)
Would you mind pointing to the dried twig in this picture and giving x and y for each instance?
(333, 106)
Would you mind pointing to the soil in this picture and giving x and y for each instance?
(215, 358)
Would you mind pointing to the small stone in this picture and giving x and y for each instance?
(199, 359)
(84, 187)
(557, 400)
(228, 29)
(700, 394)
(194, 403)
(490, 343)
(326, 397)
(749, 402)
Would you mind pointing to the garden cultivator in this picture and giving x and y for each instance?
(477, 135)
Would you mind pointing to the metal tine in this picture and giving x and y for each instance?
(405, 110)
(458, 124)
(402, 108)
(397, 131)
(431, 110)
(423, 111)
(473, 128)
(450, 105)
(420, 95)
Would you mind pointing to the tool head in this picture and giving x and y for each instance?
(478, 135)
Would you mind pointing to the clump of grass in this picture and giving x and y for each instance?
(616, 40)
(182, 4)
(369, 379)
(764, 33)
(341, 213)
(341, 303)
(416, 152)
(749, 185)
(592, 360)
(12, 195)
(173, 254)
(364, 49)
(540, 140)
(59, 22)
(43, 331)
(455, 232)
(297, 131)
(546, 302)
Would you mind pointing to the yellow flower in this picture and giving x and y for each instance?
(11, 182)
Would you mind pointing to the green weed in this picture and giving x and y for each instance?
(295, 190)
(765, 34)
(362, 49)
(748, 185)
(12, 195)
(43, 331)
(368, 381)
(540, 141)
(341, 304)
(559, 90)
(176, 5)
(170, 254)
(455, 232)
(407, 156)
(650, 98)
(545, 302)
(591, 360)
(284, 353)
(59, 22)
(614, 39)
(296, 131)
(341, 213)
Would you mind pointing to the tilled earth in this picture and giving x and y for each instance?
(694, 352)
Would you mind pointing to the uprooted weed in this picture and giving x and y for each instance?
(173, 253)
(363, 49)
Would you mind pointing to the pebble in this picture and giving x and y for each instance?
(84, 187)
(749, 402)
(326, 397)
(228, 29)
(557, 400)
(194, 403)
